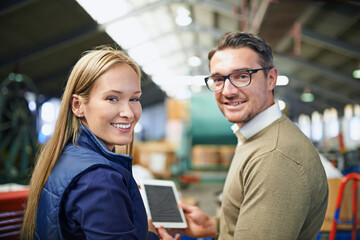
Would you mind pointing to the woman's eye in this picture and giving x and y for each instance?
(135, 99)
(111, 99)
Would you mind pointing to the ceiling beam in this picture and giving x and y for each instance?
(258, 17)
(331, 44)
(336, 76)
(43, 49)
(308, 14)
(296, 88)
(295, 107)
(322, 101)
(319, 89)
(298, 107)
(8, 6)
(325, 93)
(221, 7)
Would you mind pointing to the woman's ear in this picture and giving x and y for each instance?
(76, 105)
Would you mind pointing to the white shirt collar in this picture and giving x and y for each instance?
(258, 123)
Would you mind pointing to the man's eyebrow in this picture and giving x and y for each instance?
(216, 73)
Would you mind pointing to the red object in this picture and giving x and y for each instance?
(342, 147)
(12, 207)
(355, 177)
(13, 200)
(189, 179)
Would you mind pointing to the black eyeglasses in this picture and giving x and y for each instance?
(238, 78)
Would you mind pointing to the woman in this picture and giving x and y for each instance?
(81, 188)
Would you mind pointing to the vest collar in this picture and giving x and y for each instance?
(88, 139)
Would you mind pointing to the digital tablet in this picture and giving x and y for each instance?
(161, 203)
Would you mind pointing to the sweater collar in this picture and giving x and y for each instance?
(258, 123)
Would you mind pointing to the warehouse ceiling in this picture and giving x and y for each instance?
(316, 44)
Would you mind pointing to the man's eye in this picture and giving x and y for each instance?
(239, 76)
(217, 78)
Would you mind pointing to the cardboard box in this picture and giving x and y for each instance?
(205, 155)
(156, 156)
(346, 205)
(226, 154)
(177, 109)
(212, 155)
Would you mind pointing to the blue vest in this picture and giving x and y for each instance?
(72, 164)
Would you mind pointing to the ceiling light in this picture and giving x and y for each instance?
(194, 61)
(316, 126)
(282, 104)
(48, 112)
(183, 17)
(282, 80)
(307, 96)
(356, 73)
(305, 124)
(183, 20)
(47, 129)
(348, 111)
(182, 11)
(355, 128)
(357, 110)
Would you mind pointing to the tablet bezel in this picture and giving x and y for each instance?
(167, 183)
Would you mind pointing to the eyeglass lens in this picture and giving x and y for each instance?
(239, 79)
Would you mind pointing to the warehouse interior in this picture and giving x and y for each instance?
(316, 49)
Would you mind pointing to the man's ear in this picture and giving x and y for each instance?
(272, 75)
(76, 105)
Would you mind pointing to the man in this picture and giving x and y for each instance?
(276, 187)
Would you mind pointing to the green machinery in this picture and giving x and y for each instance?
(207, 126)
(18, 142)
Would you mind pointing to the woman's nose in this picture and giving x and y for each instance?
(126, 111)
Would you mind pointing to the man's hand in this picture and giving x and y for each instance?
(199, 224)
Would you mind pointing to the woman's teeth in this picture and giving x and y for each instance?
(124, 126)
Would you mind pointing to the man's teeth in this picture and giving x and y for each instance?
(236, 103)
(121, 125)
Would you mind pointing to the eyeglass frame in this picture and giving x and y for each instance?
(250, 71)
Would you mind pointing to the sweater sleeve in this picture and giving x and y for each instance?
(99, 207)
(276, 199)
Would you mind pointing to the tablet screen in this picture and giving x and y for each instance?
(162, 204)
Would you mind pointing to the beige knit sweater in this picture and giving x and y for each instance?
(276, 187)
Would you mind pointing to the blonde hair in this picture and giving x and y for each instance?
(86, 71)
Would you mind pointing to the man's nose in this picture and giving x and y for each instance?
(229, 88)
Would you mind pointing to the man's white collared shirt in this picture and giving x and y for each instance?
(258, 123)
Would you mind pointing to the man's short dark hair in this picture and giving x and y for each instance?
(237, 39)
